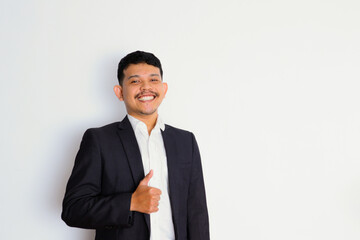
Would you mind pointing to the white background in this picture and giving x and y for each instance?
(270, 88)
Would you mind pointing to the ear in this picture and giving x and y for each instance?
(165, 88)
(119, 92)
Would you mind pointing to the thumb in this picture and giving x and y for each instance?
(147, 178)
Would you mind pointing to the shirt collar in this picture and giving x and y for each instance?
(135, 123)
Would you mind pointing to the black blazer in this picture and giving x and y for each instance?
(108, 169)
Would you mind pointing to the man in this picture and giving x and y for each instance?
(138, 179)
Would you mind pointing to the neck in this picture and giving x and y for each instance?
(149, 120)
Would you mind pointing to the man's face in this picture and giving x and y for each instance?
(142, 90)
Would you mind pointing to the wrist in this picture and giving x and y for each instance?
(132, 204)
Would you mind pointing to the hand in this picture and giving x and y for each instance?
(145, 199)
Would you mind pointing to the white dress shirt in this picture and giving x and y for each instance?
(153, 156)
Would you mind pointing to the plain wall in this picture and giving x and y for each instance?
(270, 88)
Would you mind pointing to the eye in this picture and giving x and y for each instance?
(154, 80)
(134, 81)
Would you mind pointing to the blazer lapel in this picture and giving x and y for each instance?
(131, 148)
(173, 175)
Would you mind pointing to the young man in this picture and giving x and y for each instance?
(138, 179)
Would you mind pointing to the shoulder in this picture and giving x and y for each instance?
(176, 130)
(103, 129)
(103, 132)
(184, 141)
(107, 127)
(178, 133)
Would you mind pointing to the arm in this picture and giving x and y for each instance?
(198, 221)
(83, 204)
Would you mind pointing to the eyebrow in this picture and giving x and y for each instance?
(151, 75)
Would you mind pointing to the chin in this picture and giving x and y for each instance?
(148, 113)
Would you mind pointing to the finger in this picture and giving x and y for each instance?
(147, 178)
(154, 209)
(155, 191)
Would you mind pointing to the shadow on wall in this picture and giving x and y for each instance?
(72, 134)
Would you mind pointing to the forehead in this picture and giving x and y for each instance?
(141, 69)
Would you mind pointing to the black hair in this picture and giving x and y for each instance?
(135, 58)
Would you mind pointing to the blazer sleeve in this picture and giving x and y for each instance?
(198, 220)
(84, 206)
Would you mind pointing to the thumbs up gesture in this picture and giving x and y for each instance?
(145, 199)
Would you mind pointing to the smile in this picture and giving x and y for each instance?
(146, 98)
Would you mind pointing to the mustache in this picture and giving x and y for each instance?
(146, 92)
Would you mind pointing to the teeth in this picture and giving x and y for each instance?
(146, 98)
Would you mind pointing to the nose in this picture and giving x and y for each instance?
(145, 86)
